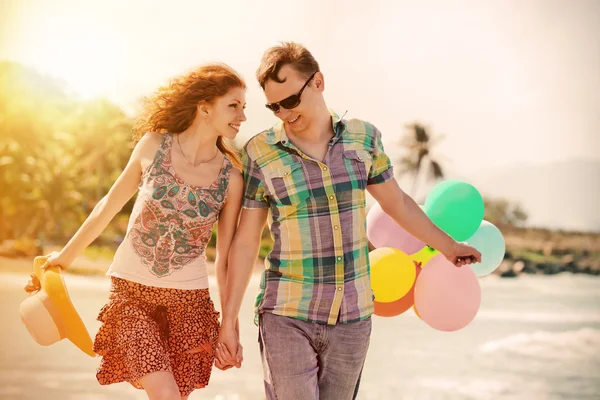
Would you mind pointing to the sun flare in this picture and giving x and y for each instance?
(86, 56)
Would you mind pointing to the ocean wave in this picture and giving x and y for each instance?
(588, 317)
(576, 345)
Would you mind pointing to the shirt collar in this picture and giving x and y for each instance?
(277, 133)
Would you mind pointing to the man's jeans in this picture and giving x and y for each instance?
(309, 361)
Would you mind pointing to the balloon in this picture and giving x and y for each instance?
(424, 255)
(383, 231)
(399, 306)
(447, 297)
(456, 207)
(415, 310)
(392, 274)
(489, 241)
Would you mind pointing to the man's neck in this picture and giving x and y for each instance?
(320, 130)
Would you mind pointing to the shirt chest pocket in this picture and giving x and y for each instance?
(358, 164)
(287, 185)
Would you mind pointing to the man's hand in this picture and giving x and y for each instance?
(222, 353)
(461, 254)
(227, 346)
(221, 366)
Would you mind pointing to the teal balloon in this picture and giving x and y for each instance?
(456, 207)
(490, 242)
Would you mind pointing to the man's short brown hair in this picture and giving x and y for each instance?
(294, 54)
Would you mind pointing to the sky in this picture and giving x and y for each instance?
(504, 82)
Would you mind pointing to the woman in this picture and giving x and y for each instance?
(159, 328)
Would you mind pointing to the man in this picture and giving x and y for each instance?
(311, 171)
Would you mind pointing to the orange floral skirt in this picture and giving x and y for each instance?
(147, 329)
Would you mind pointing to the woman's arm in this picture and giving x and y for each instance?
(119, 194)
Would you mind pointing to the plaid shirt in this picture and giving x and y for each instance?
(318, 270)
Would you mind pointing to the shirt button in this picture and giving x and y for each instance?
(331, 197)
(335, 227)
(339, 288)
(339, 258)
(286, 174)
(324, 168)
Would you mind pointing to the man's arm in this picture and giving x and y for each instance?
(242, 257)
(226, 227)
(403, 209)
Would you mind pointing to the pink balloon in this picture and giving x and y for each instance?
(383, 231)
(447, 297)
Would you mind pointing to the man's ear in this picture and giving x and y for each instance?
(319, 81)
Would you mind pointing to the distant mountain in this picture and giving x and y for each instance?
(560, 195)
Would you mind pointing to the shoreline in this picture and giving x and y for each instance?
(509, 268)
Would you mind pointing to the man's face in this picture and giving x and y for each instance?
(298, 118)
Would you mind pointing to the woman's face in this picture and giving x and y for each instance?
(226, 113)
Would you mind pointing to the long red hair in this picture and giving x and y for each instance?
(173, 107)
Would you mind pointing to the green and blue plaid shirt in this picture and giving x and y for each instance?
(318, 270)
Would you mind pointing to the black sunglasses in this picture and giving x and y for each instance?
(289, 102)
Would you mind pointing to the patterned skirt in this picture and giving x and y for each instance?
(147, 329)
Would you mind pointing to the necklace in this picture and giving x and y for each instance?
(190, 162)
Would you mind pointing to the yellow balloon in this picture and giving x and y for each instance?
(424, 255)
(392, 274)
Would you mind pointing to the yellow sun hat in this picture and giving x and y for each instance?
(48, 313)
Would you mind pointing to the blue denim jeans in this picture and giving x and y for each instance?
(308, 361)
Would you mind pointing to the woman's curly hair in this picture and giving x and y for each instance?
(173, 107)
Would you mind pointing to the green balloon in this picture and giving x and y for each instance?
(456, 207)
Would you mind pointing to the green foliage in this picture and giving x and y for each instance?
(266, 245)
(501, 212)
(58, 155)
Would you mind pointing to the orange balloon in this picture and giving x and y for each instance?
(399, 306)
(415, 310)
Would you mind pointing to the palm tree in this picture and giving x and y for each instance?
(419, 142)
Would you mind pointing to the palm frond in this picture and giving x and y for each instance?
(436, 170)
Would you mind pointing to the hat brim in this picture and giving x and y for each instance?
(53, 284)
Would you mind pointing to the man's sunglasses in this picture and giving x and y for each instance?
(289, 102)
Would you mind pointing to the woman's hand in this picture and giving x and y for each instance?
(57, 259)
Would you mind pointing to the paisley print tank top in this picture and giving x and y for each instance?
(170, 226)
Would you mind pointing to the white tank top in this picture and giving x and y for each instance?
(170, 226)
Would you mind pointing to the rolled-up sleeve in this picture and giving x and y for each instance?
(254, 190)
(381, 169)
